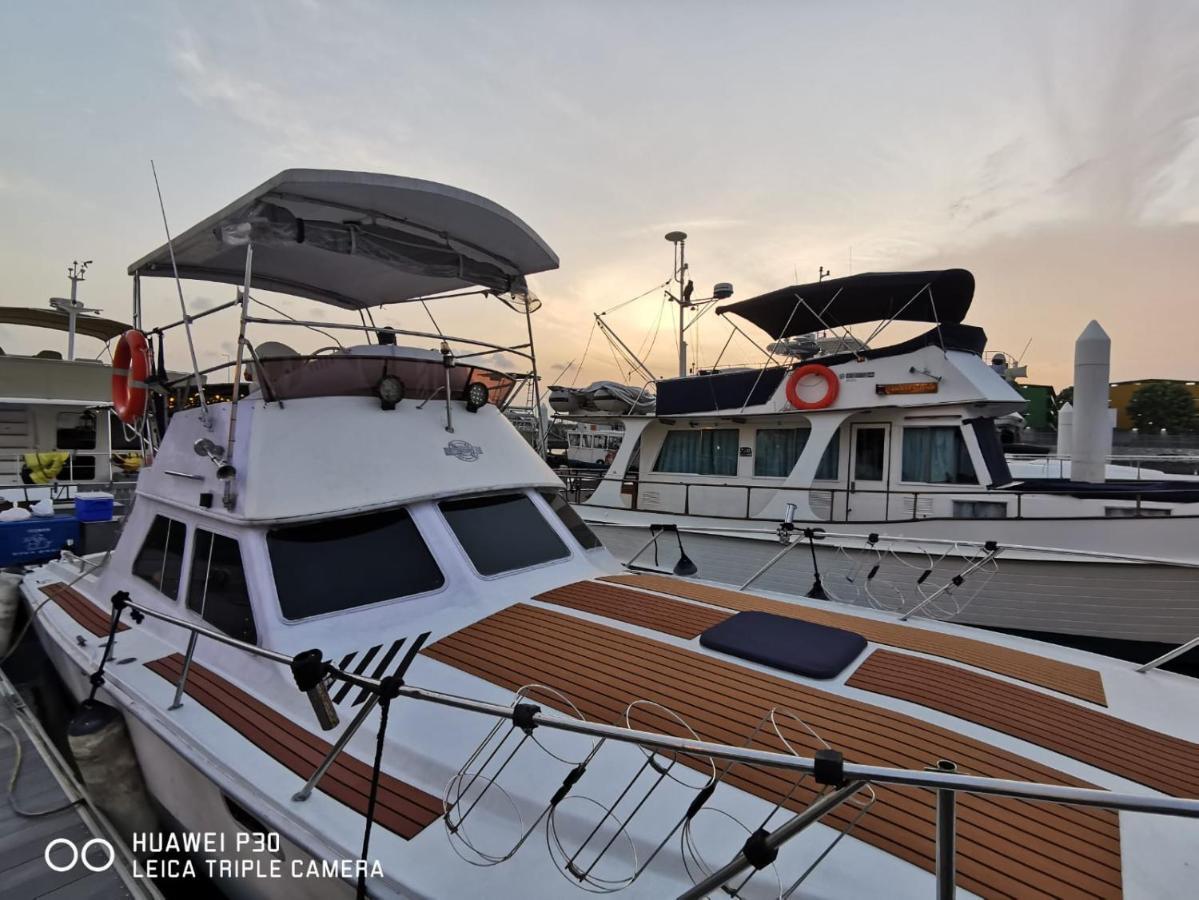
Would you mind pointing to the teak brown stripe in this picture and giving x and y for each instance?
(401, 808)
(685, 620)
(1140, 754)
(1006, 847)
(80, 608)
(1066, 678)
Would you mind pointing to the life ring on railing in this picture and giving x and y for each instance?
(832, 387)
(130, 369)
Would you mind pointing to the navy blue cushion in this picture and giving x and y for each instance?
(792, 645)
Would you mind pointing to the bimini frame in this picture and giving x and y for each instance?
(354, 240)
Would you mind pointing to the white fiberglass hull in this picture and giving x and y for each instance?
(1127, 601)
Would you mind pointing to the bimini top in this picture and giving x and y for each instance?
(941, 296)
(89, 326)
(356, 239)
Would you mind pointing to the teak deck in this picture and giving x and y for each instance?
(81, 609)
(1156, 760)
(400, 808)
(685, 620)
(1066, 678)
(1005, 847)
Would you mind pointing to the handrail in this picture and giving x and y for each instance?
(517, 349)
(846, 778)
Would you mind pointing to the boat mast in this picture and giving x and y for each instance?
(72, 306)
(679, 239)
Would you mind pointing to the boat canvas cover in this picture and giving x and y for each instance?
(941, 296)
(89, 326)
(356, 240)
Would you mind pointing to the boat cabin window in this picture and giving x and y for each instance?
(160, 560)
(937, 455)
(216, 589)
(777, 451)
(699, 451)
(75, 431)
(502, 532)
(571, 519)
(869, 453)
(337, 564)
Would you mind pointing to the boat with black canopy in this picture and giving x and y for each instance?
(844, 434)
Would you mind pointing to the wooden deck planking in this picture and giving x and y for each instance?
(1066, 678)
(1006, 847)
(81, 609)
(1156, 760)
(685, 620)
(401, 808)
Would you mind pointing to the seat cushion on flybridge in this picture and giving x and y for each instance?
(792, 645)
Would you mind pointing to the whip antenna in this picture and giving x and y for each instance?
(187, 322)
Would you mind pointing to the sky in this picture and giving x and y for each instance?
(1052, 148)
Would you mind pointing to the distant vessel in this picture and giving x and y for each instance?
(56, 427)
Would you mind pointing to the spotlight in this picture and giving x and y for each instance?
(476, 396)
(390, 391)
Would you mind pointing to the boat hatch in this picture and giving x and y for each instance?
(792, 645)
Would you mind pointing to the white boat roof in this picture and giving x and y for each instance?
(90, 326)
(357, 239)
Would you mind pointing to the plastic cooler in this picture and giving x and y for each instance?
(93, 506)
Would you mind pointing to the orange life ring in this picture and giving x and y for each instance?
(130, 369)
(832, 387)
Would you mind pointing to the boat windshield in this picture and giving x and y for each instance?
(503, 532)
(344, 563)
(358, 375)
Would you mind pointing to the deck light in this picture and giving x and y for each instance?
(685, 568)
(390, 391)
(476, 396)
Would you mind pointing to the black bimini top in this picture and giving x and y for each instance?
(941, 296)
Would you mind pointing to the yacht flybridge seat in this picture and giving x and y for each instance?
(785, 643)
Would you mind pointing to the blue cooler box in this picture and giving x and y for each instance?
(36, 540)
(93, 507)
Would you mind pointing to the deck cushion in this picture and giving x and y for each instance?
(792, 645)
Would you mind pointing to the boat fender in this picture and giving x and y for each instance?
(10, 602)
(831, 386)
(130, 369)
(103, 751)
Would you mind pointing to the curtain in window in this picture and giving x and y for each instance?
(708, 451)
(777, 450)
(936, 456)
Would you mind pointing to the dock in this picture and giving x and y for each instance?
(36, 778)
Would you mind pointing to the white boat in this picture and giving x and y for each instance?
(897, 440)
(566, 728)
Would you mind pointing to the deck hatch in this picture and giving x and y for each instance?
(791, 645)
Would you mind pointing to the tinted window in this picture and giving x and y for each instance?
(706, 451)
(936, 455)
(160, 561)
(217, 588)
(574, 524)
(777, 451)
(503, 532)
(353, 561)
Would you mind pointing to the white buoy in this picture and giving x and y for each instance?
(103, 751)
(10, 602)
(1065, 430)
(1092, 438)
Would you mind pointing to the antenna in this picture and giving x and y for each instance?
(824, 273)
(187, 322)
(679, 239)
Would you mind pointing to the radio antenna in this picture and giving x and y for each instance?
(187, 322)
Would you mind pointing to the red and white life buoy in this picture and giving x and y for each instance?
(831, 386)
(130, 369)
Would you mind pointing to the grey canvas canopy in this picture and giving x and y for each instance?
(356, 239)
(90, 326)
